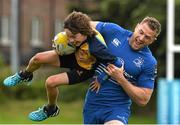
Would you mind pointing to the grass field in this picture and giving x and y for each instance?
(16, 112)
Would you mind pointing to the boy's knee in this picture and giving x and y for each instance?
(36, 58)
(49, 83)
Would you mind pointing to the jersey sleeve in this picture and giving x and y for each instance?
(107, 29)
(100, 73)
(100, 27)
(147, 77)
(103, 56)
(101, 52)
(104, 28)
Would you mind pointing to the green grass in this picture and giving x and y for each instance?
(16, 112)
(142, 120)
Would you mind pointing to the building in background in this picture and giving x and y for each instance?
(39, 21)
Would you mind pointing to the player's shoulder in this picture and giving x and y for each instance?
(150, 60)
(147, 57)
(99, 38)
(111, 26)
(96, 40)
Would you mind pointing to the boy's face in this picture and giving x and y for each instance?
(142, 36)
(75, 39)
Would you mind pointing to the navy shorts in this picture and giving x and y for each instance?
(76, 74)
(103, 115)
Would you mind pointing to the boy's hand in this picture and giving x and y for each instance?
(95, 85)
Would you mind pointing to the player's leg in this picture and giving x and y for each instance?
(47, 57)
(67, 78)
(114, 122)
(52, 90)
(51, 109)
(52, 83)
(116, 116)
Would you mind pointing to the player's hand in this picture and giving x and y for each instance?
(95, 85)
(115, 72)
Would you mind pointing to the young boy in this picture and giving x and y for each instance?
(90, 50)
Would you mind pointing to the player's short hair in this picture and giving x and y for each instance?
(78, 22)
(153, 23)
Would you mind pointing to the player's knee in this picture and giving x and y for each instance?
(36, 59)
(114, 122)
(50, 82)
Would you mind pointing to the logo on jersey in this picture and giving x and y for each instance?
(79, 72)
(121, 118)
(155, 70)
(138, 62)
(155, 73)
(116, 42)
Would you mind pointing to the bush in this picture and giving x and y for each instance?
(73, 92)
(37, 89)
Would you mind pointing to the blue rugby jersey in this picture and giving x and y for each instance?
(140, 69)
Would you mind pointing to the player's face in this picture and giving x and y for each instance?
(142, 36)
(75, 39)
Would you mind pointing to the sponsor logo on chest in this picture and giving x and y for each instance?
(138, 62)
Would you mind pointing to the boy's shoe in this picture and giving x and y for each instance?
(42, 113)
(18, 78)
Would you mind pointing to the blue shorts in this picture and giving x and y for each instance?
(103, 115)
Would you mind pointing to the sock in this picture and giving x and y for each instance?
(50, 109)
(25, 74)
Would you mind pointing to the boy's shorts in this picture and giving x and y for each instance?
(76, 74)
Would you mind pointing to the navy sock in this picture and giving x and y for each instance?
(50, 109)
(25, 75)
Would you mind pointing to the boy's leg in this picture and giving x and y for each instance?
(52, 84)
(48, 57)
(51, 109)
(75, 75)
(66, 78)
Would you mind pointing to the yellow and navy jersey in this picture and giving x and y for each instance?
(94, 50)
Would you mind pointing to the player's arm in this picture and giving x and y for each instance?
(100, 70)
(101, 74)
(139, 95)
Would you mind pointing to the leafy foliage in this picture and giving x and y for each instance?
(128, 13)
(36, 90)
